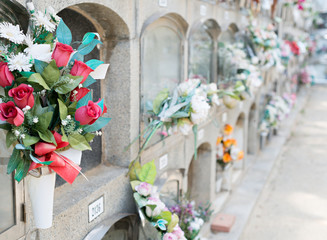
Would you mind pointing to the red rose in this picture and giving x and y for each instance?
(23, 95)
(12, 114)
(81, 69)
(88, 114)
(78, 93)
(62, 54)
(6, 77)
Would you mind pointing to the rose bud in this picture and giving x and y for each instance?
(104, 107)
(78, 93)
(6, 77)
(81, 69)
(23, 95)
(88, 114)
(62, 54)
(12, 114)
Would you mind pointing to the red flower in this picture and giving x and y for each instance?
(62, 54)
(12, 114)
(6, 77)
(78, 93)
(23, 95)
(88, 114)
(81, 69)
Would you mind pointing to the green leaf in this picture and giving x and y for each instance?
(51, 73)
(78, 142)
(148, 173)
(37, 78)
(39, 65)
(173, 222)
(166, 215)
(86, 49)
(6, 126)
(64, 136)
(62, 110)
(94, 63)
(89, 137)
(44, 121)
(63, 33)
(26, 74)
(68, 87)
(10, 139)
(89, 80)
(134, 184)
(141, 201)
(30, 140)
(157, 102)
(98, 124)
(88, 37)
(135, 168)
(47, 136)
(14, 160)
(84, 101)
(72, 108)
(37, 109)
(22, 170)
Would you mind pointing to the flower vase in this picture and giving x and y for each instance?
(41, 192)
(219, 183)
(73, 155)
(227, 177)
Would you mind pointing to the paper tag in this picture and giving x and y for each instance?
(203, 10)
(224, 117)
(201, 134)
(96, 208)
(163, 3)
(100, 72)
(163, 161)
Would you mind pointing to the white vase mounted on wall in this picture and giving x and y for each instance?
(227, 177)
(72, 154)
(41, 191)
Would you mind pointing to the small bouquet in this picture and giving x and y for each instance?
(191, 217)
(227, 150)
(46, 105)
(151, 208)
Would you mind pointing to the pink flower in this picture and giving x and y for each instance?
(170, 236)
(178, 232)
(81, 69)
(6, 77)
(144, 189)
(12, 114)
(163, 133)
(88, 114)
(62, 54)
(78, 93)
(160, 206)
(23, 95)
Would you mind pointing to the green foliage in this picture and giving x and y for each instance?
(51, 73)
(78, 142)
(47, 136)
(10, 139)
(135, 168)
(30, 140)
(141, 201)
(98, 124)
(67, 83)
(148, 173)
(172, 224)
(22, 169)
(14, 160)
(63, 110)
(63, 33)
(163, 95)
(37, 78)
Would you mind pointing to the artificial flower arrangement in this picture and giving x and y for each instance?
(151, 208)
(46, 102)
(46, 106)
(227, 150)
(305, 78)
(191, 216)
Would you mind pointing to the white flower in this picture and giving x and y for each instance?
(40, 52)
(98, 133)
(69, 117)
(17, 133)
(212, 87)
(11, 32)
(52, 13)
(22, 136)
(41, 19)
(25, 109)
(30, 6)
(35, 120)
(75, 92)
(196, 224)
(19, 62)
(255, 60)
(144, 189)
(234, 153)
(215, 99)
(79, 86)
(80, 130)
(185, 128)
(42, 93)
(186, 87)
(159, 207)
(64, 122)
(200, 109)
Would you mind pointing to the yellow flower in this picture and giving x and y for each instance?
(229, 142)
(227, 158)
(219, 139)
(228, 129)
(240, 155)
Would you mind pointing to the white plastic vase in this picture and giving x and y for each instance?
(72, 154)
(41, 191)
(227, 177)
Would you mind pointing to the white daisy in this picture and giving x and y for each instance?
(41, 19)
(53, 14)
(29, 41)
(11, 32)
(19, 62)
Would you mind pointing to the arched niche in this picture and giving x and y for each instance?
(12, 11)
(162, 59)
(119, 227)
(202, 50)
(201, 175)
(116, 87)
(245, 40)
(253, 136)
(239, 134)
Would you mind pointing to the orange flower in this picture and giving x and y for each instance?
(219, 139)
(240, 155)
(229, 142)
(228, 129)
(227, 158)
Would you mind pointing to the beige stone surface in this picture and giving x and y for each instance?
(293, 204)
